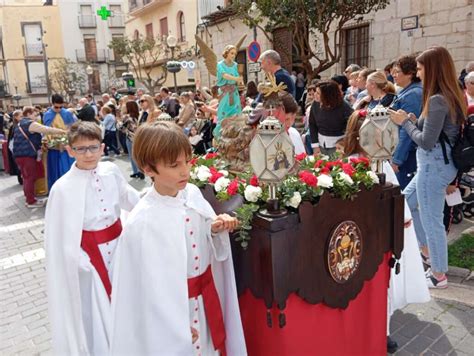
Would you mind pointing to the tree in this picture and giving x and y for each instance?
(66, 78)
(309, 20)
(144, 55)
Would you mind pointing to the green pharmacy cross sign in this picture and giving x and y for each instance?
(104, 13)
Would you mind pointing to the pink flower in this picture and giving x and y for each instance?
(254, 181)
(193, 161)
(308, 178)
(301, 156)
(233, 187)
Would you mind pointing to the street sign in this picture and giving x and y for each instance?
(254, 51)
(254, 67)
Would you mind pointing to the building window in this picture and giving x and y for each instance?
(36, 78)
(33, 43)
(117, 20)
(164, 27)
(133, 3)
(90, 48)
(136, 35)
(356, 46)
(181, 27)
(86, 17)
(95, 81)
(149, 31)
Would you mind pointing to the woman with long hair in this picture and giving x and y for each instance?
(149, 112)
(129, 126)
(328, 117)
(444, 110)
(380, 91)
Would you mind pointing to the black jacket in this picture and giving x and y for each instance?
(328, 122)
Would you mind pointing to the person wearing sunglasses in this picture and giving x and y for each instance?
(59, 161)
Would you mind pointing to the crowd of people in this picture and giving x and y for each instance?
(423, 93)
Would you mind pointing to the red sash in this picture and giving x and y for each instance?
(90, 244)
(204, 285)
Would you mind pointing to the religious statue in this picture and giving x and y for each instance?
(228, 79)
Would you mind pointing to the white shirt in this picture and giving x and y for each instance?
(297, 140)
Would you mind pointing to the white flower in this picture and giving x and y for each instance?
(346, 178)
(252, 193)
(224, 172)
(311, 158)
(194, 173)
(325, 181)
(374, 177)
(203, 173)
(295, 200)
(221, 184)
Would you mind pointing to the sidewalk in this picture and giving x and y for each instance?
(440, 327)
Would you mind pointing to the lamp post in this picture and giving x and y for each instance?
(89, 72)
(255, 14)
(171, 42)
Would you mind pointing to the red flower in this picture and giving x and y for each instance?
(233, 187)
(301, 156)
(364, 160)
(254, 181)
(338, 163)
(308, 178)
(348, 169)
(363, 113)
(193, 161)
(355, 160)
(210, 155)
(215, 175)
(318, 163)
(325, 170)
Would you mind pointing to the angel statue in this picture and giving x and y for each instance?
(228, 78)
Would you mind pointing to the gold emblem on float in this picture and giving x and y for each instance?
(344, 251)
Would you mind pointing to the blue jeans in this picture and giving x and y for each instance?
(129, 148)
(425, 195)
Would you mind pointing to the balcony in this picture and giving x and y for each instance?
(87, 21)
(37, 87)
(117, 21)
(33, 50)
(100, 56)
(4, 90)
(140, 7)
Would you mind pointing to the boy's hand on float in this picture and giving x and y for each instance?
(194, 334)
(224, 222)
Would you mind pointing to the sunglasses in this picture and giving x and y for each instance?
(142, 101)
(57, 107)
(83, 149)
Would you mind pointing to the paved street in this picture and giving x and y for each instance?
(435, 328)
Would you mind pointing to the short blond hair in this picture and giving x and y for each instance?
(159, 141)
(227, 49)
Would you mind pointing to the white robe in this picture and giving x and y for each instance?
(79, 308)
(152, 314)
(409, 286)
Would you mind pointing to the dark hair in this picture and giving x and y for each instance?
(84, 129)
(407, 65)
(27, 110)
(112, 108)
(341, 80)
(165, 89)
(252, 91)
(289, 103)
(389, 66)
(331, 96)
(132, 109)
(57, 99)
(215, 90)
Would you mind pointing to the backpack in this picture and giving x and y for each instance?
(462, 151)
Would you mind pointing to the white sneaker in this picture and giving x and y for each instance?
(37, 204)
(434, 283)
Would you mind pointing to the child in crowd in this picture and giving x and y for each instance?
(195, 138)
(82, 225)
(174, 291)
(110, 136)
(353, 90)
(409, 286)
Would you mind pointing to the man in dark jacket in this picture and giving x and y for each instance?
(87, 112)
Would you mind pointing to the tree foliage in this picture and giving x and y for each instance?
(306, 19)
(144, 55)
(66, 77)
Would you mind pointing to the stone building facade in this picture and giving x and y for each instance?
(410, 26)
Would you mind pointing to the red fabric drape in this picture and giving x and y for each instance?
(360, 329)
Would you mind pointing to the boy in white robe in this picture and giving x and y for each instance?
(82, 225)
(174, 288)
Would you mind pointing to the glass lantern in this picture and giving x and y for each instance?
(272, 155)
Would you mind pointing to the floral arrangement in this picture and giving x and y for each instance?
(56, 141)
(311, 178)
